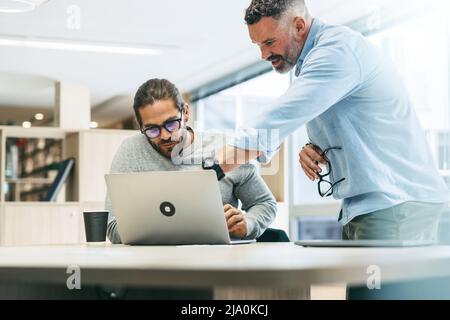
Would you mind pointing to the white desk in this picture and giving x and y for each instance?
(245, 271)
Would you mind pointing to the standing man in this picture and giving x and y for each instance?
(367, 147)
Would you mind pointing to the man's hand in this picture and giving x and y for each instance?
(310, 159)
(237, 225)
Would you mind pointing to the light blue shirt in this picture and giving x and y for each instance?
(350, 96)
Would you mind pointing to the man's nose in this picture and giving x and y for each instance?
(265, 54)
(165, 135)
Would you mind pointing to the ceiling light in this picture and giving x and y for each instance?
(26, 124)
(76, 46)
(17, 6)
(39, 116)
(93, 125)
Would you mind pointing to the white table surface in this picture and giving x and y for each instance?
(282, 265)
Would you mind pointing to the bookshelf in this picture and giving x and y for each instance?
(31, 167)
(24, 220)
(28, 157)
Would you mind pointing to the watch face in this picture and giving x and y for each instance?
(209, 162)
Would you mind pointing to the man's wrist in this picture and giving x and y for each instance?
(213, 164)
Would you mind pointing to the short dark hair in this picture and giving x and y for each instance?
(268, 8)
(156, 90)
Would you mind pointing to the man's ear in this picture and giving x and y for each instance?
(300, 28)
(186, 113)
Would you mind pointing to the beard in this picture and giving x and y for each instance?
(174, 146)
(164, 147)
(286, 62)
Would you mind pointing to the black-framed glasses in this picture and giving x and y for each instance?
(170, 126)
(326, 187)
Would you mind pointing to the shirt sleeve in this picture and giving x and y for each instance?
(330, 73)
(258, 202)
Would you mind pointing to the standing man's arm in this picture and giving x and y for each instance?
(227, 157)
(331, 73)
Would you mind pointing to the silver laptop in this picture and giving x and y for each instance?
(169, 208)
(366, 243)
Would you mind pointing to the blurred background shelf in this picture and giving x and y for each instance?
(30, 160)
(30, 181)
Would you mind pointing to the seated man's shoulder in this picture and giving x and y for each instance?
(132, 147)
(133, 144)
(134, 140)
(133, 155)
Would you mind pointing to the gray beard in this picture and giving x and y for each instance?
(289, 64)
(286, 68)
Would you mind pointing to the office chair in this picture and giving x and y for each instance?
(273, 235)
(64, 168)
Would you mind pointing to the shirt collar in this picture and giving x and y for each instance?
(309, 44)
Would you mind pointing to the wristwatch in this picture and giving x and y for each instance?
(213, 164)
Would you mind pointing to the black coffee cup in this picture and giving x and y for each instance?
(95, 224)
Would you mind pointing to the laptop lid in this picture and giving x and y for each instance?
(168, 208)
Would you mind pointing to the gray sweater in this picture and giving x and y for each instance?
(244, 184)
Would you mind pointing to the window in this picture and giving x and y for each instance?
(420, 48)
(238, 104)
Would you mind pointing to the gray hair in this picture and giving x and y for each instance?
(259, 9)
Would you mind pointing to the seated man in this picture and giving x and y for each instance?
(162, 116)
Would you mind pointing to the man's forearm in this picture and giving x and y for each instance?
(231, 158)
(259, 218)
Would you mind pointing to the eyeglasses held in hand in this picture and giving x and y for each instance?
(326, 187)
